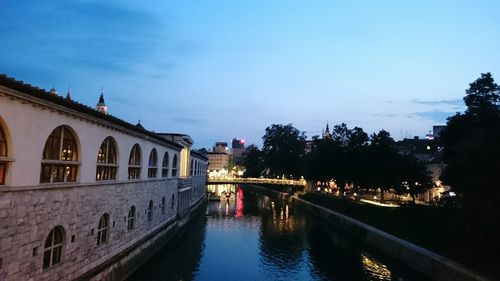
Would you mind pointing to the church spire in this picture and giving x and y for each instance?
(326, 133)
(101, 105)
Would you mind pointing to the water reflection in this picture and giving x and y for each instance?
(256, 237)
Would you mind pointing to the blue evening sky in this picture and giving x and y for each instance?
(223, 69)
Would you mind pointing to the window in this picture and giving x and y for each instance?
(3, 153)
(152, 164)
(59, 159)
(174, 166)
(163, 205)
(150, 210)
(106, 160)
(172, 203)
(191, 167)
(131, 218)
(134, 163)
(53, 247)
(102, 229)
(164, 166)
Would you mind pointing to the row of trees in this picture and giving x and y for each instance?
(350, 158)
(471, 155)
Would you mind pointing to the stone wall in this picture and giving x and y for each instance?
(28, 216)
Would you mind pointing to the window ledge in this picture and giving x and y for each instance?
(67, 185)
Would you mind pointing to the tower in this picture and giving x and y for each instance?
(101, 105)
(326, 133)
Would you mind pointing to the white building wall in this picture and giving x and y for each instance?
(29, 128)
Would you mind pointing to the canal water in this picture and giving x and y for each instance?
(250, 236)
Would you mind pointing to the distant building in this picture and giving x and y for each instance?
(221, 147)
(218, 161)
(236, 143)
(237, 151)
(437, 130)
(429, 152)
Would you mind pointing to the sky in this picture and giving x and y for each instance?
(219, 70)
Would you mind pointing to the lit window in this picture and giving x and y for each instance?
(106, 160)
(174, 166)
(152, 164)
(150, 210)
(102, 230)
(164, 168)
(131, 218)
(53, 247)
(3, 153)
(59, 159)
(134, 163)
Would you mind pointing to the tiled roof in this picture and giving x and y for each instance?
(33, 91)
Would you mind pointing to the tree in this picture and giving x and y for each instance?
(253, 162)
(413, 175)
(322, 160)
(482, 95)
(472, 163)
(471, 143)
(382, 159)
(283, 150)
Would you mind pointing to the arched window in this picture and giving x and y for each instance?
(172, 203)
(131, 218)
(102, 229)
(134, 162)
(3, 153)
(164, 166)
(174, 166)
(150, 210)
(59, 159)
(53, 247)
(163, 205)
(106, 160)
(153, 164)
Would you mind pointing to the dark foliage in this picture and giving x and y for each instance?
(283, 150)
(253, 162)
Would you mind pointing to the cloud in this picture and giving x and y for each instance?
(454, 102)
(436, 115)
(93, 36)
(385, 115)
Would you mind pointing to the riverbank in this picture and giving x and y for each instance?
(346, 215)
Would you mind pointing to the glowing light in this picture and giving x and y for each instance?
(379, 204)
(375, 268)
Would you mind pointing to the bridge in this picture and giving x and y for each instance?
(216, 180)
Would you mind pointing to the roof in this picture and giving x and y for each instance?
(36, 92)
(101, 100)
(198, 154)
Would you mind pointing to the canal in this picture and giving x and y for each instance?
(250, 236)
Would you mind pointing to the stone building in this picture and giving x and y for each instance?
(85, 195)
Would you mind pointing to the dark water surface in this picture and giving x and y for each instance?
(256, 237)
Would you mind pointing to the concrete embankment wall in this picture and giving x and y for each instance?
(428, 263)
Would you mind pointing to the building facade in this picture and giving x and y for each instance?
(85, 195)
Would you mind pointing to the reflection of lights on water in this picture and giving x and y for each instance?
(375, 269)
